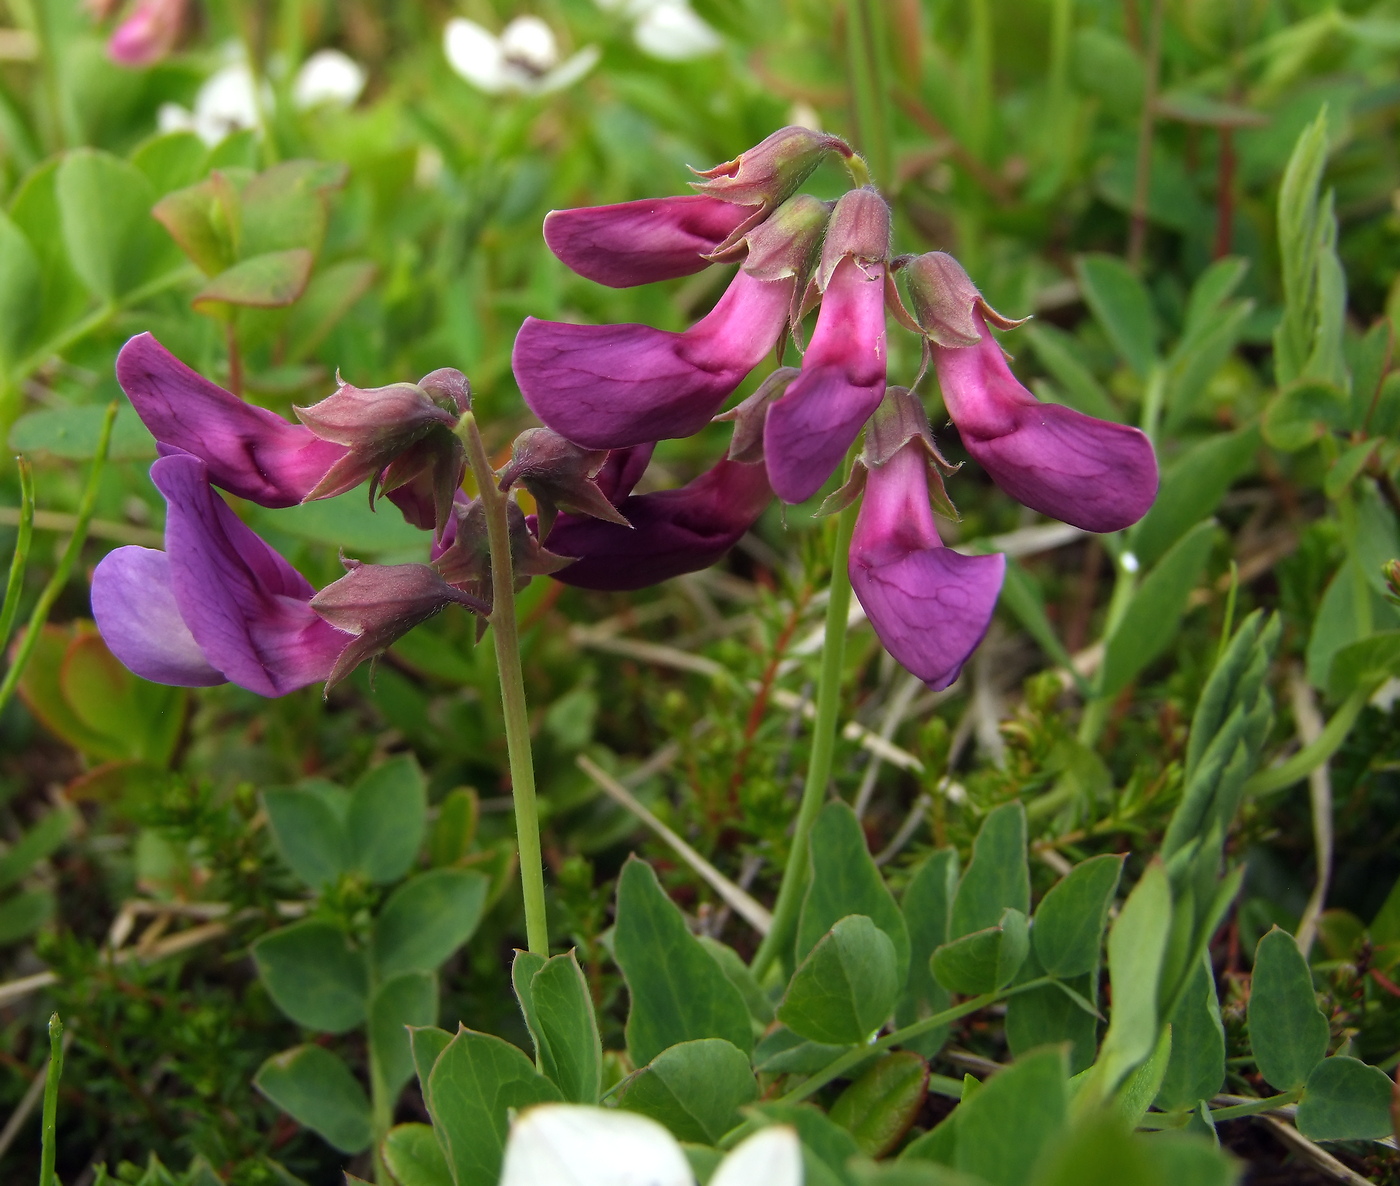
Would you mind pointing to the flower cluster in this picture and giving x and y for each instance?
(624, 387)
(218, 604)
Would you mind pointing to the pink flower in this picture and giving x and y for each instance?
(148, 34)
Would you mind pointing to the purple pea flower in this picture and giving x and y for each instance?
(611, 386)
(250, 451)
(671, 532)
(930, 606)
(642, 242)
(1094, 474)
(218, 605)
(148, 34)
(842, 382)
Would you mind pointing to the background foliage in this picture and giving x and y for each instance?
(1122, 171)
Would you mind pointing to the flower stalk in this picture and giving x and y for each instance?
(517, 722)
(794, 881)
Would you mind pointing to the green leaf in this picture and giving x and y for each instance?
(1154, 614)
(695, 1089)
(1121, 304)
(1197, 1066)
(21, 286)
(1191, 490)
(678, 992)
(1363, 666)
(1048, 1015)
(1346, 1100)
(1347, 468)
(878, 1108)
(454, 830)
(309, 834)
(1304, 412)
(927, 906)
(1137, 945)
(386, 819)
(346, 521)
(36, 211)
(846, 987)
(74, 433)
(1143, 1083)
(171, 160)
(1195, 362)
(410, 1000)
(1102, 1151)
(826, 1147)
(1287, 1031)
(1021, 594)
(316, 1089)
(559, 1013)
(984, 961)
(426, 919)
(1070, 920)
(112, 241)
(738, 973)
(263, 282)
(203, 219)
(414, 1157)
(474, 1084)
(910, 1173)
(845, 880)
(427, 1043)
(38, 843)
(329, 296)
(997, 877)
(1011, 1119)
(313, 975)
(25, 913)
(285, 206)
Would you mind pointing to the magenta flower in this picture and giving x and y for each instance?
(672, 531)
(611, 386)
(250, 451)
(1094, 474)
(642, 242)
(930, 606)
(148, 34)
(217, 605)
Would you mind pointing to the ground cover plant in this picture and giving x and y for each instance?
(699, 590)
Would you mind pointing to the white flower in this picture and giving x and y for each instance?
(226, 103)
(667, 29)
(524, 58)
(575, 1145)
(328, 76)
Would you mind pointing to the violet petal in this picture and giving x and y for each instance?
(642, 242)
(246, 607)
(1094, 474)
(842, 382)
(611, 386)
(672, 532)
(140, 622)
(250, 451)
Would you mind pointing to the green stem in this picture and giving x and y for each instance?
(517, 720)
(381, 1119)
(869, 97)
(49, 1153)
(56, 584)
(20, 561)
(1142, 172)
(1254, 1107)
(794, 881)
(1310, 757)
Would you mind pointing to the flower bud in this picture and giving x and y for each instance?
(785, 244)
(466, 564)
(560, 475)
(898, 420)
(946, 301)
(770, 172)
(860, 229)
(400, 438)
(379, 604)
(750, 416)
(1391, 569)
(148, 34)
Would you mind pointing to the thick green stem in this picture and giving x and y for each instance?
(20, 561)
(49, 595)
(869, 94)
(1310, 757)
(49, 1152)
(517, 721)
(823, 746)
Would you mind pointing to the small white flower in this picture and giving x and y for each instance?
(524, 58)
(226, 103)
(328, 76)
(575, 1145)
(666, 29)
